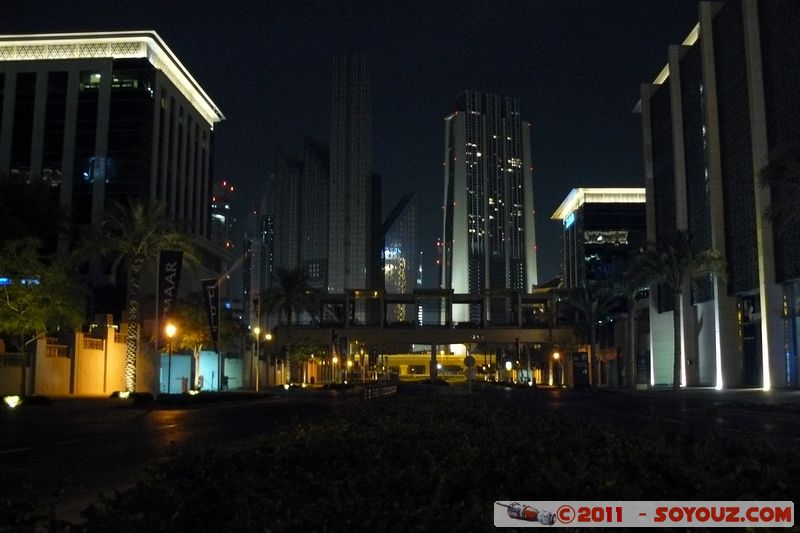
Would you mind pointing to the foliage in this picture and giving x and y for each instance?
(628, 287)
(594, 301)
(675, 262)
(133, 234)
(456, 456)
(782, 176)
(191, 320)
(290, 295)
(40, 295)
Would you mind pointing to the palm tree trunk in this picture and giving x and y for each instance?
(677, 301)
(592, 354)
(631, 366)
(132, 338)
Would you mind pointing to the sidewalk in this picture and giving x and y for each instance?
(775, 397)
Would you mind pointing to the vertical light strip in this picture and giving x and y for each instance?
(718, 384)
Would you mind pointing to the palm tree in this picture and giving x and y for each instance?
(782, 176)
(291, 294)
(593, 301)
(674, 263)
(134, 233)
(628, 285)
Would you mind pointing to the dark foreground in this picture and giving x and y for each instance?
(431, 461)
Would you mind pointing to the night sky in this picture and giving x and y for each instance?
(575, 65)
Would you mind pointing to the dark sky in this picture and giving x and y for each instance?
(575, 65)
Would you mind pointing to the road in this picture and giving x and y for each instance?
(87, 447)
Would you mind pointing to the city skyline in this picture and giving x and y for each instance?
(268, 68)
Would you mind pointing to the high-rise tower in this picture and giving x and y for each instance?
(489, 240)
(351, 207)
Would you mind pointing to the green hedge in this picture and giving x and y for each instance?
(408, 464)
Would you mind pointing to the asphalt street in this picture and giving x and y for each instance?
(77, 449)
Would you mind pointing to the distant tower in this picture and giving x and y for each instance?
(400, 256)
(352, 182)
(288, 178)
(489, 240)
(222, 218)
(315, 213)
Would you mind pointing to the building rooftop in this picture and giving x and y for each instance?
(605, 195)
(122, 44)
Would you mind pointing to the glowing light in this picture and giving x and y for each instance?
(124, 394)
(122, 44)
(508, 365)
(439, 366)
(12, 401)
(349, 363)
(556, 355)
(268, 337)
(335, 359)
(286, 386)
(170, 330)
(193, 392)
(257, 330)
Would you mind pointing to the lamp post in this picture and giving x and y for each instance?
(256, 346)
(170, 330)
(347, 370)
(557, 365)
(268, 338)
(333, 369)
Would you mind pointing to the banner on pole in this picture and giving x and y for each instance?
(211, 292)
(169, 278)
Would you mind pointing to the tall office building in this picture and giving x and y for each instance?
(288, 180)
(90, 118)
(725, 107)
(102, 116)
(489, 240)
(400, 259)
(352, 182)
(315, 213)
(603, 229)
(297, 212)
(222, 218)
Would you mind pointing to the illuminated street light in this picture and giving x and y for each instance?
(268, 338)
(256, 350)
(334, 362)
(170, 330)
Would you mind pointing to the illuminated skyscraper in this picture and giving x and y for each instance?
(94, 117)
(353, 184)
(489, 240)
(91, 118)
(400, 260)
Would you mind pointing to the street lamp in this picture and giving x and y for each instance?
(170, 330)
(556, 360)
(349, 366)
(333, 364)
(256, 345)
(268, 338)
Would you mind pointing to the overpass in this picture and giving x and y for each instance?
(522, 324)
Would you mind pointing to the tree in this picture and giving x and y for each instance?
(192, 331)
(675, 262)
(627, 286)
(782, 176)
(291, 294)
(133, 234)
(593, 302)
(36, 296)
